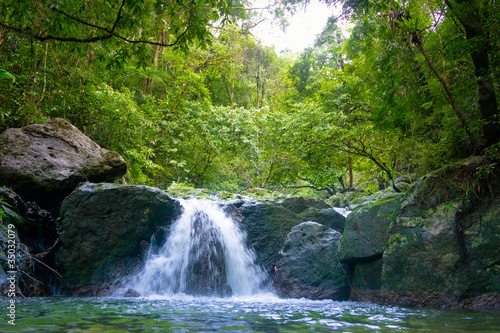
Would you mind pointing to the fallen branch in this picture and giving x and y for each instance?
(50, 268)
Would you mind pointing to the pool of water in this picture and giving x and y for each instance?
(264, 313)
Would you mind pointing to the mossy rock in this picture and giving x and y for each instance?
(105, 223)
(189, 192)
(267, 223)
(445, 236)
(386, 194)
(307, 265)
(227, 196)
(344, 199)
(366, 230)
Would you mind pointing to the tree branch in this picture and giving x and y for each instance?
(109, 32)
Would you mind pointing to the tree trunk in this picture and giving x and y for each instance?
(469, 16)
(447, 88)
(229, 93)
(351, 176)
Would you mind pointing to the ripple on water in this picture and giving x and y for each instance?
(250, 314)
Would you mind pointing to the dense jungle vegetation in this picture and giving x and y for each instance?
(186, 94)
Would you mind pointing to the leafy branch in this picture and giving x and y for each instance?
(109, 32)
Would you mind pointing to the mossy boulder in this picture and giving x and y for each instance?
(104, 229)
(308, 264)
(366, 231)
(442, 241)
(315, 210)
(445, 237)
(266, 225)
(343, 199)
(186, 192)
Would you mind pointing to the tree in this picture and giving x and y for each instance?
(126, 20)
(478, 18)
(477, 23)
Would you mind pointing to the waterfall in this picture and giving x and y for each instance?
(204, 254)
(343, 211)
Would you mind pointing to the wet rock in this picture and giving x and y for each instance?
(267, 224)
(131, 293)
(308, 265)
(366, 231)
(446, 234)
(207, 264)
(489, 301)
(315, 210)
(442, 244)
(104, 227)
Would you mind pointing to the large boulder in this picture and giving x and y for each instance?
(45, 162)
(445, 238)
(366, 230)
(308, 265)
(105, 229)
(442, 242)
(267, 224)
(315, 210)
(207, 265)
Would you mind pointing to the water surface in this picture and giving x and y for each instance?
(263, 313)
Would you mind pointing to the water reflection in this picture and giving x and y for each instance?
(264, 314)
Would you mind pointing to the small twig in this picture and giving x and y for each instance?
(32, 257)
(43, 254)
(31, 277)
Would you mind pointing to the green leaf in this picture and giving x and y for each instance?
(6, 75)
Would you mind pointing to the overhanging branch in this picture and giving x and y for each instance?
(109, 32)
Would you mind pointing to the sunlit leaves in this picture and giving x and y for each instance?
(6, 75)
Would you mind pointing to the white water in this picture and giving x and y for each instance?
(192, 249)
(343, 211)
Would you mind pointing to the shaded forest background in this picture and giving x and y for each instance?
(186, 94)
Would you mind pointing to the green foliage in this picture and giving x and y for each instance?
(6, 75)
(182, 23)
(119, 124)
(484, 172)
(3, 214)
(218, 110)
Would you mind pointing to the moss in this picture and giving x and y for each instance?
(262, 194)
(344, 199)
(414, 222)
(395, 240)
(224, 195)
(368, 275)
(189, 193)
(11, 216)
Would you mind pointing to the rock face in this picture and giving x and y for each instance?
(207, 264)
(105, 229)
(315, 210)
(35, 237)
(267, 224)
(366, 230)
(45, 162)
(11, 209)
(441, 244)
(308, 265)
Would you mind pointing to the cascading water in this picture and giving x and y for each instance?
(204, 254)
